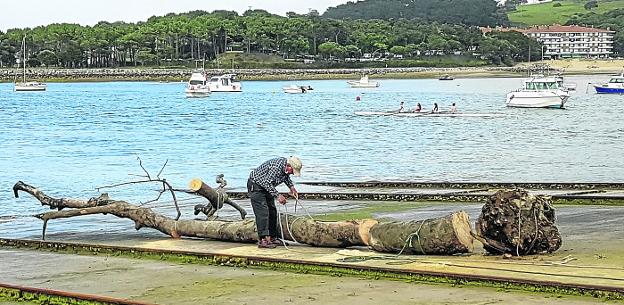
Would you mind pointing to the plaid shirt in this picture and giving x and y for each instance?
(271, 174)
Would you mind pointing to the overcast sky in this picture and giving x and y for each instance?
(31, 13)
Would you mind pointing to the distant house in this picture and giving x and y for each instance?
(530, 2)
(565, 41)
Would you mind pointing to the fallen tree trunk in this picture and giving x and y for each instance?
(515, 222)
(450, 234)
(440, 236)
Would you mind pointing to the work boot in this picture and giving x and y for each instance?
(265, 244)
(278, 242)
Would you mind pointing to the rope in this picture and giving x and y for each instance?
(410, 239)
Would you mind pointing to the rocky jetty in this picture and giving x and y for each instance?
(8, 75)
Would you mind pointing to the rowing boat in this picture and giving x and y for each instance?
(427, 114)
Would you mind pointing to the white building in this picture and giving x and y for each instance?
(530, 2)
(562, 41)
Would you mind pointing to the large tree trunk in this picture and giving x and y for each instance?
(447, 235)
(450, 234)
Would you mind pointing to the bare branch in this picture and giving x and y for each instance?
(141, 165)
(161, 170)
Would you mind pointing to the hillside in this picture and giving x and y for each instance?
(469, 12)
(546, 13)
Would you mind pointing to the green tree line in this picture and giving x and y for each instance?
(182, 39)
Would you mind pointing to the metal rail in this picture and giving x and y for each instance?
(334, 268)
(71, 295)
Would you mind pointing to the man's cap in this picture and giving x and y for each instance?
(295, 163)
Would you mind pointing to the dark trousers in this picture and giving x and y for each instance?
(263, 204)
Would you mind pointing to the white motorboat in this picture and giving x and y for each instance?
(538, 92)
(24, 85)
(197, 86)
(364, 82)
(615, 85)
(294, 89)
(225, 83)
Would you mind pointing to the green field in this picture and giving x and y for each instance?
(546, 13)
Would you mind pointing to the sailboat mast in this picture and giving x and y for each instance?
(24, 53)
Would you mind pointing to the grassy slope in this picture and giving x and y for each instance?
(545, 13)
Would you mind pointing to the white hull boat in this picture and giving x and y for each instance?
(197, 92)
(297, 89)
(539, 92)
(225, 83)
(30, 86)
(197, 86)
(364, 82)
(545, 99)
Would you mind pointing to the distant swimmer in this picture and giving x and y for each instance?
(453, 108)
(435, 108)
(418, 108)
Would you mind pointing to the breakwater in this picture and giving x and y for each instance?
(60, 75)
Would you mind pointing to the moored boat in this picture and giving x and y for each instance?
(364, 82)
(294, 89)
(25, 86)
(197, 86)
(225, 83)
(446, 77)
(614, 85)
(538, 92)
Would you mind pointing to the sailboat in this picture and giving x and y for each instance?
(27, 86)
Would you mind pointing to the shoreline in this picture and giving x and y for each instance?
(566, 67)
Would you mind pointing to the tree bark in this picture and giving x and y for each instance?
(447, 235)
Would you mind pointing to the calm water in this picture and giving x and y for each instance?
(78, 136)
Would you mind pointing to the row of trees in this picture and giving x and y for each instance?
(177, 39)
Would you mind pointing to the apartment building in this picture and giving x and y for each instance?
(572, 40)
(565, 41)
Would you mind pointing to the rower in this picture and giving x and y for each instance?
(418, 108)
(453, 108)
(435, 108)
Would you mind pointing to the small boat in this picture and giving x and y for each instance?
(538, 92)
(615, 85)
(197, 86)
(225, 83)
(24, 85)
(294, 89)
(364, 82)
(446, 77)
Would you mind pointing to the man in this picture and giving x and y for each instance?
(262, 192)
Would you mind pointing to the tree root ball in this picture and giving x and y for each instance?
(518, 223)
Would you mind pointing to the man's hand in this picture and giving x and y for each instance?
(294, 193)
(281, 199)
